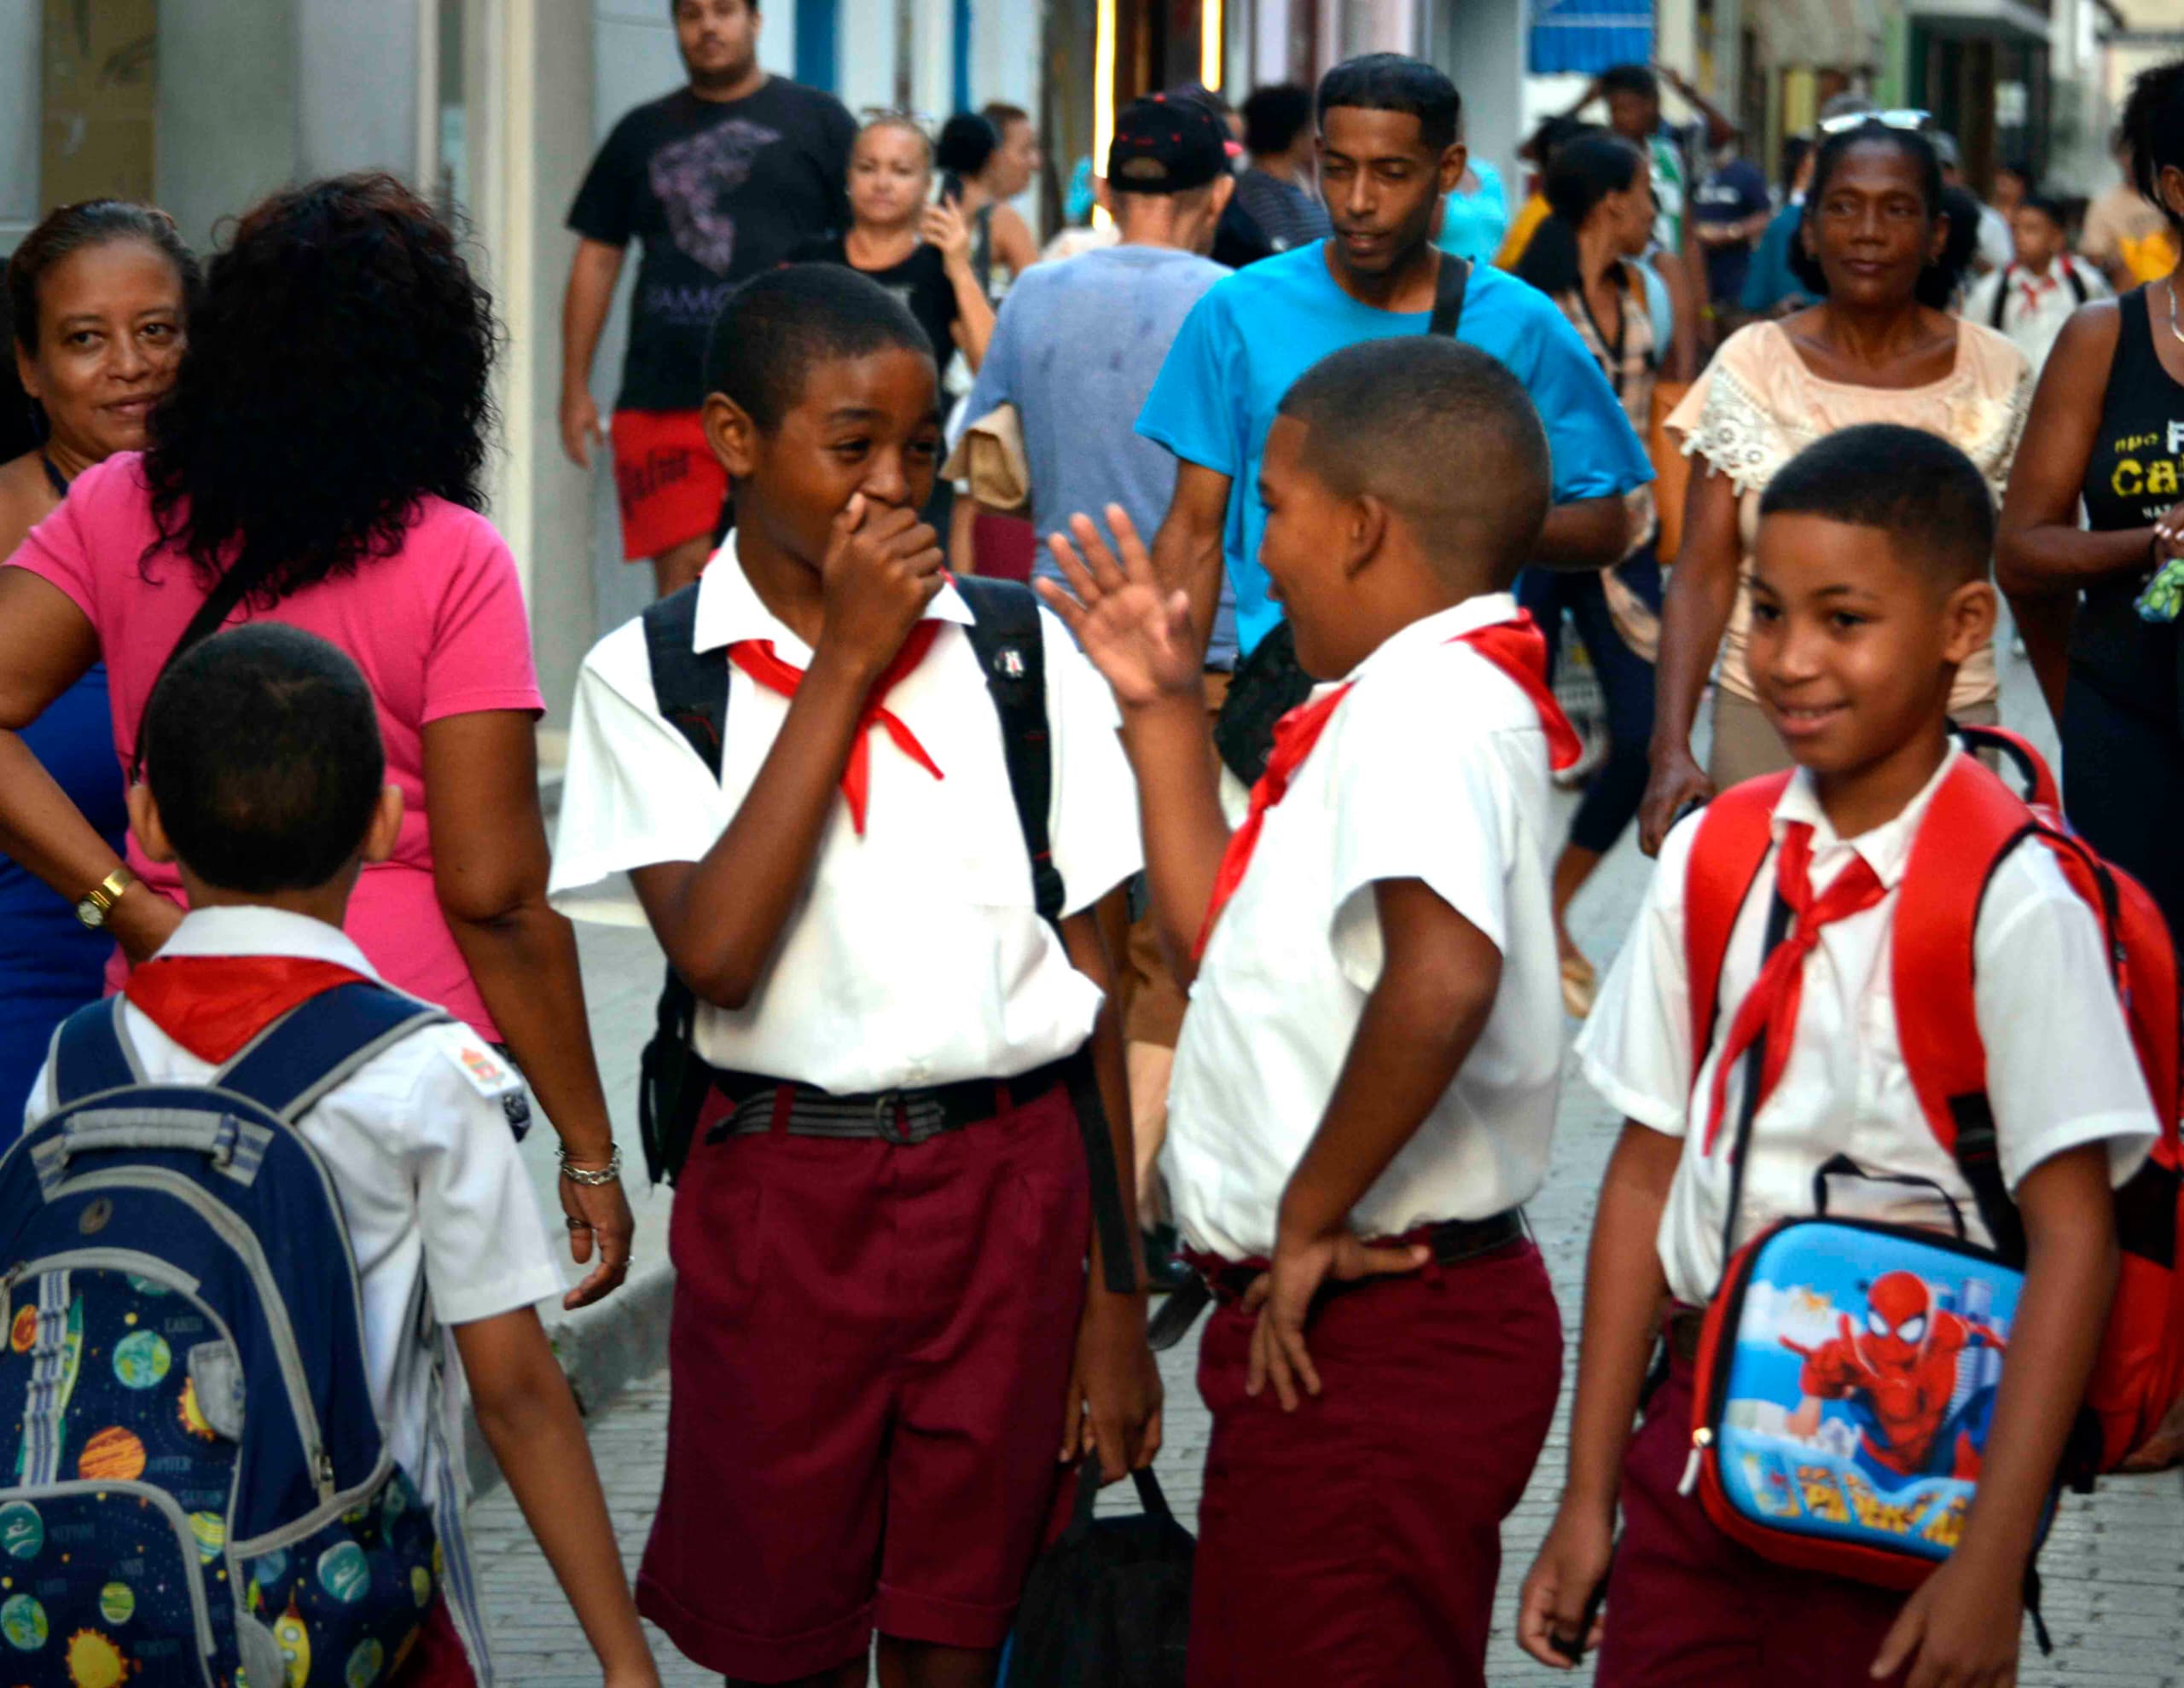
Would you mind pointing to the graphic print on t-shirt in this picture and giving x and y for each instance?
(694, 175)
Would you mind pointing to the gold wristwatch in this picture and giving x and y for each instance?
(99, 901)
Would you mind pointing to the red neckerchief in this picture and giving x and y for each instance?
(213, 1005)
(756, 658)
(1516, 647)
(1771, 1010)
(2038, 287)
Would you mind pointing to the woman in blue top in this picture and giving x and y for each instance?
(98, 296)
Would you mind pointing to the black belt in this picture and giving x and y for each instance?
(1453, 1241)
(760, 1105)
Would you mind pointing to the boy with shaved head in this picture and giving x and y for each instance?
(1365, 1086)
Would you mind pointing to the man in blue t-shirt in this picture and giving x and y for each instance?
(1388, 151)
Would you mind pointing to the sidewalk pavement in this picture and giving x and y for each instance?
(2113, 1568)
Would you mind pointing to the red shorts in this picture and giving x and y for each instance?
(869, 1351)
(670, 484)
(1356, 1542)
(1689, 1608)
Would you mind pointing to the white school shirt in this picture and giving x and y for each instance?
(2060, 1070)
(441, 1214)
(2033, 327)
(915, 955)
(1433, 767)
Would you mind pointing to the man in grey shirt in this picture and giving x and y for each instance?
(1076, 350)
(1078, 343)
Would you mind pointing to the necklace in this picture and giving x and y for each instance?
(59, 482)
(2179, 332)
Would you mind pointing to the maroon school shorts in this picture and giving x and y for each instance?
(1689, 1608)
(870, 1350)
(1355, 1543)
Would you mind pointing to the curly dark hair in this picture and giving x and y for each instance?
(335, 374)
(1938, 282)
(2152, 130)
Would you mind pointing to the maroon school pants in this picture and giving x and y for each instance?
(867, 1357)
(1355, 1543)
(1689, 1608)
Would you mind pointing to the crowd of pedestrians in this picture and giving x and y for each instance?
(1196, 920)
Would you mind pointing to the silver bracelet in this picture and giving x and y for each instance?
(609, 1174)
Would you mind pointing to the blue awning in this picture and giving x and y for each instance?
(1589, 35)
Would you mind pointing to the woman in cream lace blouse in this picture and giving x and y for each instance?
(1880, 347)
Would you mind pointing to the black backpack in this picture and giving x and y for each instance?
(690, 688)
(1108, 1605)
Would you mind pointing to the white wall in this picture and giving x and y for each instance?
(356, 79)
(227, 109)
(1481, 45)
(21, 28)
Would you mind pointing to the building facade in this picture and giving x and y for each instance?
(496, 106)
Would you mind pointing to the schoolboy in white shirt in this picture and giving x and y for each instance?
(1870, 589)
(2031, 297)
(1365, 1086)
(265, 779)
(878, 1331)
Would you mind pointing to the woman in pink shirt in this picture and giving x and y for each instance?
(318, 462)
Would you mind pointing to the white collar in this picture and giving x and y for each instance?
(730, 610)
(1438, 629)
(1886, 848)
(253, 930)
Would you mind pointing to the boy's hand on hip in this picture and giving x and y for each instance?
(1138, 636)
(1553, 1620)
(1283, 1295)
(883, 566)
(1115, 1390)
(1960, 1629)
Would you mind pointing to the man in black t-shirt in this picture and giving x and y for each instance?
(717, 181)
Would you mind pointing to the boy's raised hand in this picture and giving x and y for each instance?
(882, 568)
(1138, 636)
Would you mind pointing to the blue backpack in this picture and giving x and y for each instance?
(201, 1491)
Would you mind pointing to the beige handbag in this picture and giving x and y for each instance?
(990, 457)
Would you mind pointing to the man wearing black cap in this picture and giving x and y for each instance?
(1076, 350)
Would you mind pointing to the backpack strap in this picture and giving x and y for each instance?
(2040, 789)
(1010, 644)
(1736, 832)
(1973, 822)
(1451, 278)
(318, 1044)
(90, 1052)
(2071, 273)
(2001, 296)
(688, 688)
(1012, 654)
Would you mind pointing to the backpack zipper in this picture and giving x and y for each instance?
(243, 1241)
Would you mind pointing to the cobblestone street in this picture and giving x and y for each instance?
(2114, 1567)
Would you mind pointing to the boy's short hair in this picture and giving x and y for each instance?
(1394, 82)
(261, 747)
(1438, 430)
(773, 329)
(1927, 496)
(2049, 208)
(1637, 80)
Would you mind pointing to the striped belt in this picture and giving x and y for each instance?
(758, 1106)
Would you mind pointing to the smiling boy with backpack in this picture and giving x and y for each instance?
(1883, 978)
